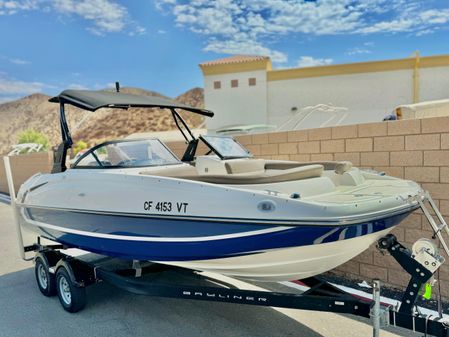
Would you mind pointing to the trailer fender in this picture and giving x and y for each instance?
(66, 263)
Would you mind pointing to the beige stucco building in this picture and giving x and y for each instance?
(245, 89)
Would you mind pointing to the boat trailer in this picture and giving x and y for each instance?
(58, 273)
(66, 276)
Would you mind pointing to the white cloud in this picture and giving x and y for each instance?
(139, 30)
(10, 86)
(5, 99)
(11, 7)
(358, 51)
(310, 61)
(101, 86)
(95, 86)
(246, 47)
(77, 86)
(425, 32)
(419, 22)
(19, 61)
(245, 26)
(104, 16)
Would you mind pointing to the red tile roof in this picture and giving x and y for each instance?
(236, 59)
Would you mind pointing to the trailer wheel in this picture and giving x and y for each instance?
(44, 279)
(71, 296)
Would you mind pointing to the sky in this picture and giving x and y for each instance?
(50, 45)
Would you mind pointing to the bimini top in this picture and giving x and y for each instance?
(93, 100)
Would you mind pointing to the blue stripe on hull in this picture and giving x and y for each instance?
(138, 226)
(200, 250)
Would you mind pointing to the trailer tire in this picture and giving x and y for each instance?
(45, 280)
(71, 296)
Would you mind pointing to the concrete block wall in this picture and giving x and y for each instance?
(412, 149)
(23, 167)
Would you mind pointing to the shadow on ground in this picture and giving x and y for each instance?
(113, 312)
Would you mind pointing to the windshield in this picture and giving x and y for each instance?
(136, 153)
(226, 147)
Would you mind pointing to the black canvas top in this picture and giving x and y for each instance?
(93, 100)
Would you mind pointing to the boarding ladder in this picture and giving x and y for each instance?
(437, 228)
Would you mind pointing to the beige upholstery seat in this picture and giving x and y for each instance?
(234, 166)
(256, 171)
(339, 167)
(264, 177)
(173, 171)
(116, 155)
(259, 177)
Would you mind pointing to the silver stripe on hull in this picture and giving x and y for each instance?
(151, 239)
(323, 222)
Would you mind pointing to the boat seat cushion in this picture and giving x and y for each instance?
(264, 177)
(234, 166)
(173, 171)
(339, 167)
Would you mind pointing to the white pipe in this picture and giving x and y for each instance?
(12, 194)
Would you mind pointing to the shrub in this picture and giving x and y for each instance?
(80, 145)
(33, 136)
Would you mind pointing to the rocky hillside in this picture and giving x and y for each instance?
(36, 112)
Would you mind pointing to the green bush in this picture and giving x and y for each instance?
(33, 136)
(80, 145)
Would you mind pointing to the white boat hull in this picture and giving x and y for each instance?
(248, 232)
(278, 264)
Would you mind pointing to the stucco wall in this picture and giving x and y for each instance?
(434, 83)
(368, 96)
(370, 90)
(233, 106)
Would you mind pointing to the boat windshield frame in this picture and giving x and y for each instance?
(92, 150)
(222, 155)
(93, 100)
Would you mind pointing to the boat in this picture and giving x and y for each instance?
(25, 148)
(220, 211)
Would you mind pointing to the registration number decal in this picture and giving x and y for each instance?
(165, 206)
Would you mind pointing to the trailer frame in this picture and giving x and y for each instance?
(322, 296)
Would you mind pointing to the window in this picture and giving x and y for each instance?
(217, 85)
(234, 83)
(226, 147)
(127, 153)
(252, 81)
(88, 160)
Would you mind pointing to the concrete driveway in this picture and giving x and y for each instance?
(112, 312)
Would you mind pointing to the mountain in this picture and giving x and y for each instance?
(36, 112)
